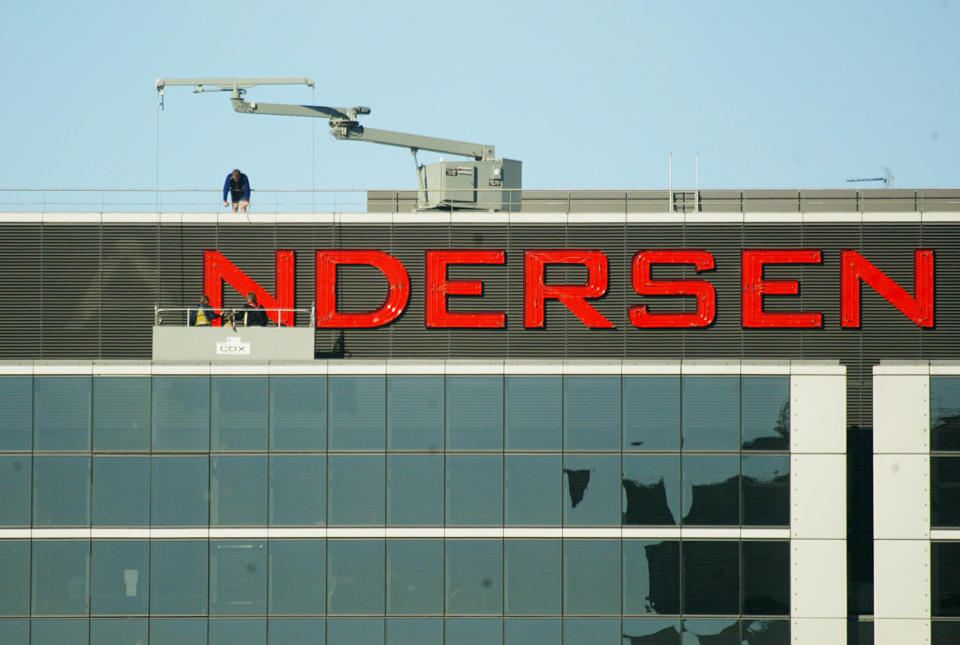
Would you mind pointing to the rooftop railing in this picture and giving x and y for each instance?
(180, 316)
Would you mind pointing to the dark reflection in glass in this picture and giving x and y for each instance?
(414, 631)
(351, 631)
(181, 413)
(356, 489)
(238, 577)
(766, 490)
(61, 490)
(474, 412)
(591, 489)
(474, 576)
(298, 413)
(178, 491)
(238, 631)
(61, 570)
(711, 412)
(298, 577)
(15, 481)
(238, 415)
(415, 490)
(651, 490)
(178, 631)
(178, 580)
(120, 577)
(591, 412)
(415, 576)
(61, 412)
(945, 412)
(238, 490)
(945, 583)
(16, 412)
(523, 631)
(712, 631)
(765, 423)
(945, 492)
(651, 577)
(711, 490)
(765, 632)
(591, 631)
(121, 413)
(651, 413)
(533, 577)
(944, 632)
(415, 413)
(533, 495)
(358, 413)
(534, 412)
(474, 490)
(296, 631)
(474, 631)
(355, 577)
(14, 578)
(766, 578)
(591, 581)
(53, 631)
(651, 632)
(298, 489)
(711, 577)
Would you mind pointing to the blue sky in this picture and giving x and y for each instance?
(590, 95)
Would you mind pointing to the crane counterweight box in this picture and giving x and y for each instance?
(482, 185)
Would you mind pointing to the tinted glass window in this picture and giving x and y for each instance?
(766, 578)
(14, 578)
(711, 412)
(415, 413)
(357, 412)
(238, 577)
(415, 631)
(533, 412)
(61, 413)
(350, 631)
(474, 631)
(651, 577)
(711, 577)
(356, 489)
(16, 412)
(643, 631)
(355, 578)
(61, 490)
(945, 581)
(532, 576)
(591, 489)
(764, 632)
(474, 412)
(181, 413)
(945, 412)
(178, 580)
(534, 490)
(719, 631)
(474, 576)
(238, 490)
(238, 631)
(474, 490)
(591, 581)
(944, 632)
(766, 490)
(238, 414)
(296, 631)
(14, 630)
(711, 490)
(178, 495)
(766, 412)
(521, 631)
(121, 491)
(297, 576)
(120, 577)
(298, 413)
(591, 412)
(651, 490)
(415, 576)
(119, 631)
(298, 489)
(591, 631)
(178, 631)
(415, 490)
(15, 480)
(945, 491)
(61, 570)
(121, 413)
(53, 631)
(651, 413)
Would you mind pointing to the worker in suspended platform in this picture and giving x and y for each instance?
(238, 185)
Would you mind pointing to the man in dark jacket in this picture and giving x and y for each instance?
(238, 185)
(254, 314)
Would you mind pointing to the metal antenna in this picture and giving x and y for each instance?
(887, 178)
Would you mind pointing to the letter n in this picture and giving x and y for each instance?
(217, 269)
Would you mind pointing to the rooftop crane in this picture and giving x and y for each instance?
(482, 183)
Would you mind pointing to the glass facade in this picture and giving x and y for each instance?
(348, 509)
(945, 505)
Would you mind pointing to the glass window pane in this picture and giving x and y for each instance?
(120, 577)
(591, 631)
(60, 574)
(942, 632)
(657, 631)
(711, 577)
(238, 577)
(766, 412)
(238, 413)
(57, 631)
(591, 490)
(474, 577)
(766, 490)
(711, 490)
(296, 631)
(945, 412)
(522, 631)
(357, 412)
(297, 576)
(298, 413)
(356, 489)
(474, 490)
(651, 413)
(591, 581)
(298, 490)
(945, 583)
(651, 490)
(720, 631)
(766, 578)
(121, 490)
(474, 412)
(178, 580)
(61, 413)
(651, 577)
(14, 630)
(765, 632)
(178, 631)
(355, 578)
(14, 578)
(118, 631)
(238, 631)
(415, 412)
(181, 413)
(534, 490)
(415, 490)
(61, 490)
(238, 490)
(591, 412)
(415, 631)
(16, 412)
(15, 480)
(711, 412)
(534, 412)
(121, 413)
(474, 631)
(415, 576)
(179, 491)
(944, 492)
(532, 577)
(350, 631)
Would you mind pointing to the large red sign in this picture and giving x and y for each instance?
(538, 290)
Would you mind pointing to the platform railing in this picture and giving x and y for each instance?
(164, 315)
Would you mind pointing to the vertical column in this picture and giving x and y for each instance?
(901, 503)
(818, 502)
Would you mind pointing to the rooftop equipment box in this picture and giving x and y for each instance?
(493, 185)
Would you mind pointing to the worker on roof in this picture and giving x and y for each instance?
(238, 185)
(204, 314)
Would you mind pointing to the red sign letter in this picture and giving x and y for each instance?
(393, 305)
(644, 285)
(854, 268)
(573, 297)
(438, 288)
(217, 269)
(755, 288)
